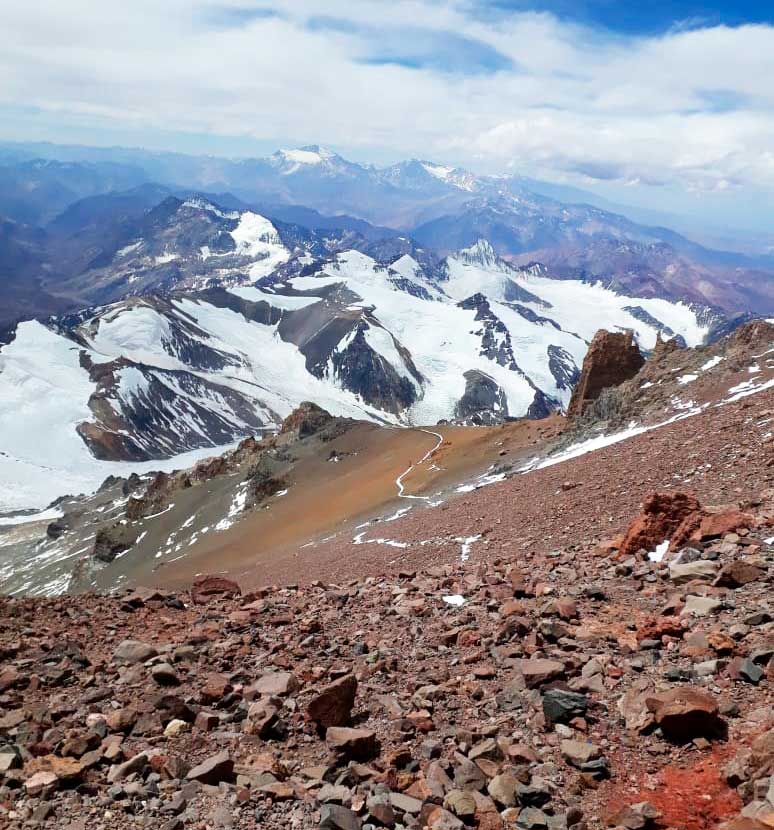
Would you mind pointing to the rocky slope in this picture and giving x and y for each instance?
(501, 668)
(600, 686)
(214, 511)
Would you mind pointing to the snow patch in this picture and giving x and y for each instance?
(657, 555)
(711, 363)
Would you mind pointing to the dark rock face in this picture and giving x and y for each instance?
(639, 313)
(612, 358)
(515, 293)
(542, 406)
(262, 485)
(562, 367)
(495, 337)
(112, 541)
(483, 402)
(364, 372)
(533, 317)
(170, 412)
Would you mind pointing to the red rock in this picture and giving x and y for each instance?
(436, 818)
(422, 720)
(205, 588)
(566, 608)
(206, 721)
(716, 525)
(213, 770)
(656, 629)
(684, 713)
(660, 517)
(356, 744)
(216, 688)
(738, 573)
(540, 671)
(612, 358)
(333, 705)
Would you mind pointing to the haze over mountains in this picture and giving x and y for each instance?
(68, 213)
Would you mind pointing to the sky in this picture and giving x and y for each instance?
(663, 104)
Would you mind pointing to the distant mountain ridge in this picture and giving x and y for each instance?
(443, 208)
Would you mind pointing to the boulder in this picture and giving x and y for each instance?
(659, 518)
(612, 358)
(685, 713)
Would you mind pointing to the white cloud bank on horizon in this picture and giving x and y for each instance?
(421, 77)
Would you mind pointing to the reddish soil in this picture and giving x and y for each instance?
(723, 455)
(324, 497)
(690, 796)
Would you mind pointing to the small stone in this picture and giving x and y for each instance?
(684, 713)
(738, 573)
(579, 753)
(176, 727)
(165, 675)
(461, 803)
(561, 705)
(40, 782)
(336, 817)
(539, 671)
(750, 671)
(333, 705)
(530, 818)
(215, 769)
(356, 744)
(701, 606)
(700, 571)
(131, 652)
(502, 788)
(276, 683)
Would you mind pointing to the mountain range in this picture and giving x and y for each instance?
(142, 321)
(64, 212)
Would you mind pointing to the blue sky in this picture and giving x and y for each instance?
(643, 18)
(662, 104)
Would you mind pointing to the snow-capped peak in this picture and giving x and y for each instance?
(256, 237)
(309, 156)
(451, 175)
(482, 253)
(438, 170)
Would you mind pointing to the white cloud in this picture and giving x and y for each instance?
(694, 107)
